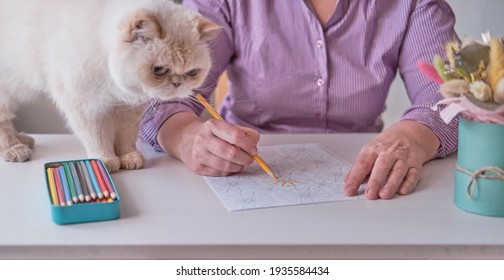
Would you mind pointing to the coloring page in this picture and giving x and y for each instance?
(306, 173)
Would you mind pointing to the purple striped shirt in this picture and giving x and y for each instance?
(290, 74)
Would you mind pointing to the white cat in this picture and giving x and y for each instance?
(100, 61)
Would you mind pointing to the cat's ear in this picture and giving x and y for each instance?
(206, 29)
(143, 26)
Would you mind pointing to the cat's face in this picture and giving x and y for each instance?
(161, 56)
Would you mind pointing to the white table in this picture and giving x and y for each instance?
(168, 212)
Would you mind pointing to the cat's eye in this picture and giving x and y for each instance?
(160, 70)
(192, 72)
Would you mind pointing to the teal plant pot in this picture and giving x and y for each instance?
(480, 145)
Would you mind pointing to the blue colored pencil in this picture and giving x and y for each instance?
(93, 179)
(64, 182)
(89, 185)
(76, 180)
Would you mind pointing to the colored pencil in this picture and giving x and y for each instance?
(93, 180)
(77, 183)
(89, 185)
(64, 183)
(82, 181)
(216, 116)
(52, 186)
(59, 186)
(99, 179)
(106, 178)
(71, 184)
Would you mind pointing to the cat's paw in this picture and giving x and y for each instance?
(17, 153)
(112, 163)
(132, 160)
(25, 139)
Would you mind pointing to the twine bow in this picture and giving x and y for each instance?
(497, 174)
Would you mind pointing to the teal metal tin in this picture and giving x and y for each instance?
(480, 147)
(83, 212)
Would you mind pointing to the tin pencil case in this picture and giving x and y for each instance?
(81, 191)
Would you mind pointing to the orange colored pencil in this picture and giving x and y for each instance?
(59, 187)
(216, 116)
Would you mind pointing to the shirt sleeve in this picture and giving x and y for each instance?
(431, 26)
(221, 50)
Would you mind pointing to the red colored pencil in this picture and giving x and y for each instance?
(107, 180)
(98, 175)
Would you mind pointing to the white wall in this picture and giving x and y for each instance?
(40, 116)
(473, 18)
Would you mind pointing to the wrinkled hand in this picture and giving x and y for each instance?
(392, 161)
(211, 148)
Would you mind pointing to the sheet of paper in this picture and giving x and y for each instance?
(307, 173)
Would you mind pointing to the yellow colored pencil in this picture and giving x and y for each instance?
(216, 116)
(52, 187)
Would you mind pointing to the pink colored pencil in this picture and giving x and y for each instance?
(107, 180)
(59, 187)
(98, 175)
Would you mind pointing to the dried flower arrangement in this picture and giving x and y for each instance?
(471, 81)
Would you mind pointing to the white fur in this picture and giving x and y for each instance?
(75, 51)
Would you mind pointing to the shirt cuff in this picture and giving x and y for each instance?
(154, 117)
(447, 133)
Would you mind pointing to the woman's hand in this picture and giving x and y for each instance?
(393, 160)
(210, 148)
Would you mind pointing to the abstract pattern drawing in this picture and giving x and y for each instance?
(307, 173)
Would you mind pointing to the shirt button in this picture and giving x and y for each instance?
(319, 44)
(320, 82)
